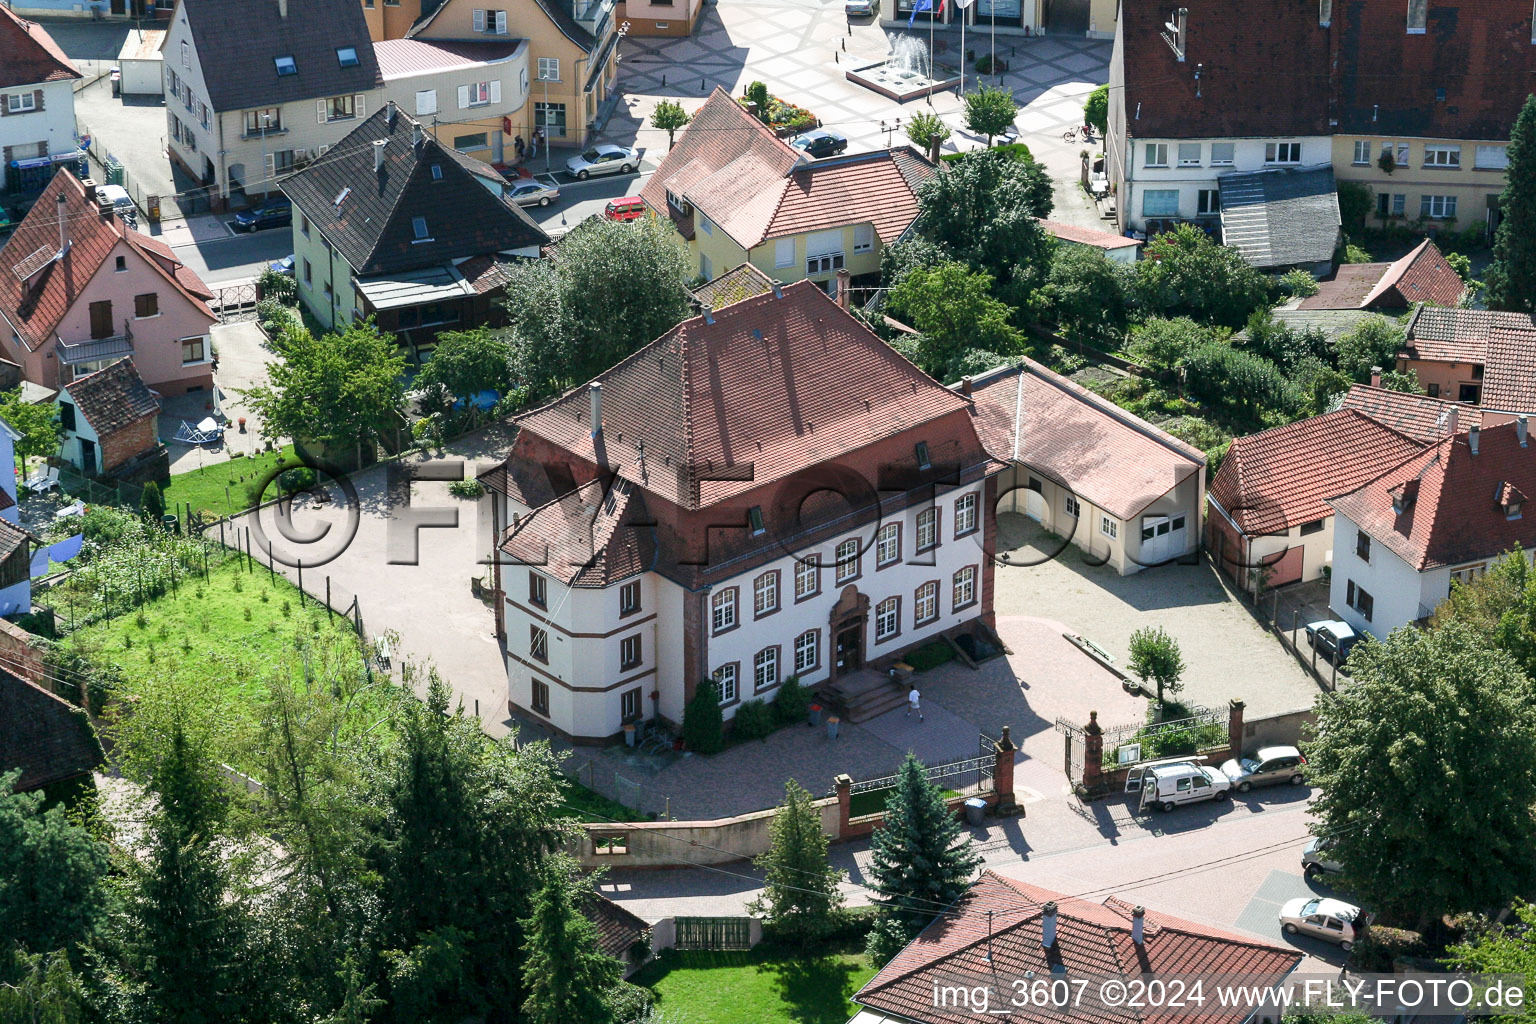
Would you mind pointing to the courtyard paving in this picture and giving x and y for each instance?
(802, 51)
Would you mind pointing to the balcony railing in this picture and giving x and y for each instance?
(73, 353)
(592, 15)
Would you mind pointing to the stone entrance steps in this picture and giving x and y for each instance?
(864, 694)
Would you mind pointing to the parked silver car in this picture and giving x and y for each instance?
(528, 192)
(1265, 767)
(605, 159)
(1326, 919)
(1317, 858)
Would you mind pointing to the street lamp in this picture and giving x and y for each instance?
(266, 122)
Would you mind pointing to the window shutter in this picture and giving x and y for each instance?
(426, 101)
(271, 166)
(479, 17)
(361, 102)
(320, 111)
(37, 95)
(501, 23)
(495, 90)
(463, 96)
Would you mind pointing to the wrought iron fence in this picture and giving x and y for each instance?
(981, 766)
(714, 932)
(234, 303)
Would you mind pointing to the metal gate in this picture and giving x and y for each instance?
(234, 302)
(714, 933)
(1075, 744)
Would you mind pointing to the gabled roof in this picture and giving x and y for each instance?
(617, 929)
(728, 164)
(28, 54)
(113, 397)
(46, 737)
(372, 224)
(735, 284)
(35, 298)
(238, 43)
(1115, 460)
(1421, 276)
(1237, 46)
(1464, 77)
(1420, 417)
(1456, 516)
(402, 58)
(1283, 477)
(1280, 218)
(587, 537)
(994, 932)
(1503, 343)
(756, 392)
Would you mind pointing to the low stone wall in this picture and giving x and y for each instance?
(1274, 730)
(670, 844)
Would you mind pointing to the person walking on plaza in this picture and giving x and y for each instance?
(915, 703)
(521, 147)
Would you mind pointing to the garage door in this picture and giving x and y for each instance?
(1163, 537)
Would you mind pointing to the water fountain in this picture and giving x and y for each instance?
(907, 73)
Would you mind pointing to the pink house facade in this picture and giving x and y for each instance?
(82, 290)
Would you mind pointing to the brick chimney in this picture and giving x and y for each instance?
(1375, 376)
(844, 282)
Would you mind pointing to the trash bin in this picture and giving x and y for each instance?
(169, 523)
(815, 718)
(975, 811)
(832, 724)
(629, 735)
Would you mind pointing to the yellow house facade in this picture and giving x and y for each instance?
(572, 49)
(390, 19)
(1450, 184)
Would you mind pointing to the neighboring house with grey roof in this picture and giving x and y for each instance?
(254, 88)
(1281, 219)
(37, 102)
(396, 225)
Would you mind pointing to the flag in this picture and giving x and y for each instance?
(965, 5)
(919, 5)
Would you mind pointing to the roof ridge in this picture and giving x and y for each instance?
(1136, 423)
(688, 467)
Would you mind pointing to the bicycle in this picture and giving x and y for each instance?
(1085, 133)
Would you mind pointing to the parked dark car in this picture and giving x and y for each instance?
(819, 142)
(1329, 635)
(272, 213)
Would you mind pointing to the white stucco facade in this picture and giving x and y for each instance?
(589, 692)
(1398, 595)
(1177, 178)
(36, 121)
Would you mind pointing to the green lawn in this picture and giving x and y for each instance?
(756, 987)
(231, 628)
(590, 806)
(222, 487)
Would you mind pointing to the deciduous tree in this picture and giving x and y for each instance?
(466, 363)
(1507, 948)
(1155, 657)
(669, 116)
(955, 312)
(800, 901)
(983, 211)
(919, 863)
(36, 422)
(1085, 292)
(1185, 273)
(1511, 277)
(1435, 736)
(1373, 342)
(928, 132)
(990, 111)
(1096, 109)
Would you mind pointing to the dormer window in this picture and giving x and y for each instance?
(1325, 12)
(1509, 498)
(755, 518)
(1174, 30)
(346, 56)
(285, 66)
(923, 462)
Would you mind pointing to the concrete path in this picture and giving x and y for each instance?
(244, 359)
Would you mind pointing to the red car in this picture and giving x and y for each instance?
(628, 208)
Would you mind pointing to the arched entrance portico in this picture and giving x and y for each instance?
(849, 618)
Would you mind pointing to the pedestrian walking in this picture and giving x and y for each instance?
(915, 703)
(521, 147)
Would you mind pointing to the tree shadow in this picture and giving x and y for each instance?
(815, 990)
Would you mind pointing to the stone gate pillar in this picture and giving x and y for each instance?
(1235, 727)
(1093, 753)
(1002, 770)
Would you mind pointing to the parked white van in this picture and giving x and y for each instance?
(1167, 784)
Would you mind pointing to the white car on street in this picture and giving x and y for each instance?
(1327, 919)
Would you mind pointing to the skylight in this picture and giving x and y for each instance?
(419, 226)
(437, 172)
(286, 66)
(347, 55)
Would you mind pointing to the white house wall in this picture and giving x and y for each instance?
(1399, 594)
(54, 124)
(1247, 155)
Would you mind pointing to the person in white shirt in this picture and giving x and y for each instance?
(915, 703)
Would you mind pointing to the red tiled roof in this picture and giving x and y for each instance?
(35, 303)
(1087, 236)
(46, 737)
(877, 187)
(1504, 343)
(1420, 417)
(28, 54)
(113, 397)
(766, 388)
(1115, 460)
(617, 928)
(728, 164)
(1283, 477)
(993, 932)
(1421, 276)
(1465, 77)
(585, 538)
(1456, 517)
(1237, 46)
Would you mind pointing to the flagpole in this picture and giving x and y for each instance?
(962, 48)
